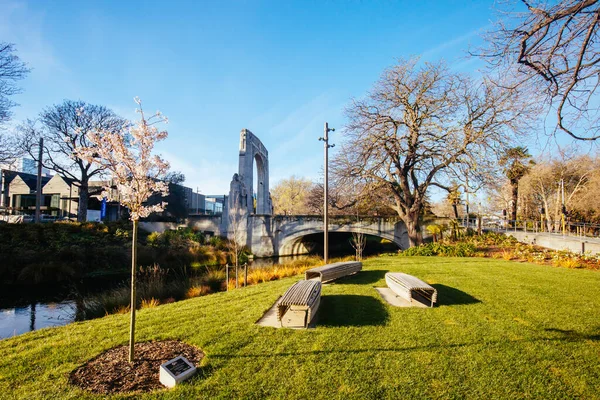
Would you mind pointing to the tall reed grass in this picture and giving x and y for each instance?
(156, 286)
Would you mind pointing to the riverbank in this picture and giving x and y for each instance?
(66, 252)
(154, 288)
(491, 336)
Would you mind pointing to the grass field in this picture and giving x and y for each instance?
(501, 330)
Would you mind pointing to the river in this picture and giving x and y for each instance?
(31, 310)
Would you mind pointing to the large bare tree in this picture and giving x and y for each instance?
(422, 125)
(65, 128)
(552, 48)
(12, 69)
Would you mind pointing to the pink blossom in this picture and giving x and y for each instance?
(136, 172)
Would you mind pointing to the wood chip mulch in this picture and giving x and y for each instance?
(111, 372)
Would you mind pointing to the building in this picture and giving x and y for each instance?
(214, 204)
(19, 192)
(65, 195)
(195, 202)
(60, 198)
(26, 165)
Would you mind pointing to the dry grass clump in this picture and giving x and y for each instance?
(150, 303)
(121, 310)
(197, 291)
(275, 272)
(296, 267)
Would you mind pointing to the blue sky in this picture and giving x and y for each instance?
(280, 69)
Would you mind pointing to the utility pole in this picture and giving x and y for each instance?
(38, 188)
(467, 195)
(197, 198)
(562, 209)
(326, 147)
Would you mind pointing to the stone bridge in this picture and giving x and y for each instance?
(270, 235)
(278, 235)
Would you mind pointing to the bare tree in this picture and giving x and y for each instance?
(12, 69)
(358, 199)
(544, 185)
(237, 238)
(418, 127)
(555, 49)
(358, 242)
(586, 204)
(65, 128)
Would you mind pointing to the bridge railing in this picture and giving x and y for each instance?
(346, 219)
(566, 228)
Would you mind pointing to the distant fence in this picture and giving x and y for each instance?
(572, 229)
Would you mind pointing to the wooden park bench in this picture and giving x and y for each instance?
(333, 271)
(408, 287)
(299, 304)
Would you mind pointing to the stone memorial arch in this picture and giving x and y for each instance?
(252, 150)
(268, 235)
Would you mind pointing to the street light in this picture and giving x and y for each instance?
(326, 147)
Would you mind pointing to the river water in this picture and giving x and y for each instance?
(29, 312)
(17, 320)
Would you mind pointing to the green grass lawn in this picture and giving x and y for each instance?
(501, 330)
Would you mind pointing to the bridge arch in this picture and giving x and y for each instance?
(293, 245)
(290, 231)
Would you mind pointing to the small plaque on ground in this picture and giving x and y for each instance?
(175, 371)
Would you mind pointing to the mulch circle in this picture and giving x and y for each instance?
(111, 372)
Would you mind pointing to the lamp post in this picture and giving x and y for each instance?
(326, 147)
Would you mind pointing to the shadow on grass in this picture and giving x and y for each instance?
(449, 296)
(362, 277)
(576, 338)
(204, 372)
(571, 334)
(351, 310)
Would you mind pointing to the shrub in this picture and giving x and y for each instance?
(440, 249)
(214, 279)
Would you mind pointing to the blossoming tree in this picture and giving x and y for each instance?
(137, 174)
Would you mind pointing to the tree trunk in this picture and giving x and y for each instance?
(236, 271)
(413, 226)
(83, 201)
(455, 208)
(515, 197)
(133, 303)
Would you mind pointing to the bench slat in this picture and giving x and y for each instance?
(333, 271)
(406, 286)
